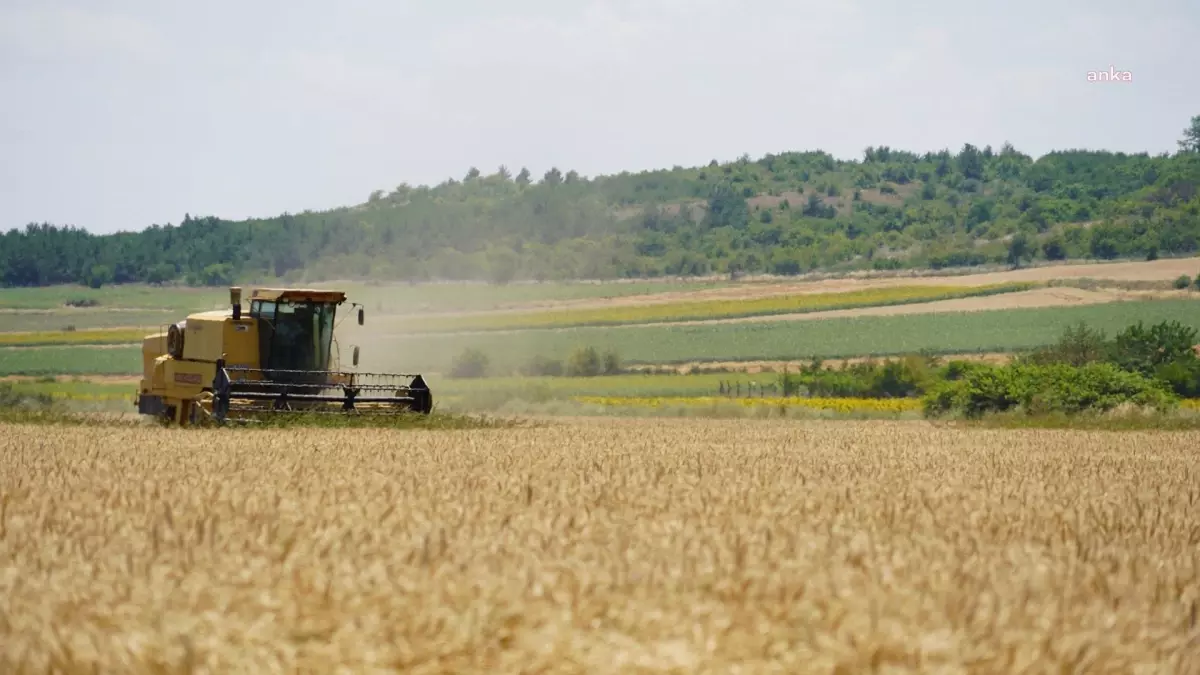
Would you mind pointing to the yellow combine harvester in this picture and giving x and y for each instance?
(227, 365)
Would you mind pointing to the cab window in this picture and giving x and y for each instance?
(262, 309)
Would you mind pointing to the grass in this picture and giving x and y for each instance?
(70, 360)
(698, 310)
(126, 296)
(598, 546)
(98, 336)
(33, 321)
(77, 387)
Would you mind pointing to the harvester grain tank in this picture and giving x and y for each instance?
(280, 356)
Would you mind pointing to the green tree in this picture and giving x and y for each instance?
(98, 276)
(1191, 137)
(584, 362)
(1054, 248)
(1019, 249)
(470, 363)
(1144, 349)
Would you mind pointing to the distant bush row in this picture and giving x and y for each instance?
(1084, 371)
(585, 361)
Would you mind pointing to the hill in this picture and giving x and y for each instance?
(786, 214)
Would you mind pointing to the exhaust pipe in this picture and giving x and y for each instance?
(235, 299)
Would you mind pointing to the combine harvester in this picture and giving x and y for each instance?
(226, 366)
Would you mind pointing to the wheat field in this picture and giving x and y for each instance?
(603, 546)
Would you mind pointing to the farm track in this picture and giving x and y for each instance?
(599, 546)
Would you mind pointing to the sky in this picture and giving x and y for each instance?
(119, 114)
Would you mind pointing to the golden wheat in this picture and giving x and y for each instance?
(599, 546)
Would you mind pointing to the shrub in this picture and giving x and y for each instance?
(1144, 350)
(542, 365)
(1182, 377)
(470, 363)
(1183, 282)
(1079, 345)
(906, 377)
(910, 376)
(612, 362)
(1039, 389)
(958, 369)
(583, 362)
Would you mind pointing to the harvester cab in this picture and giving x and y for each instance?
(280, 356)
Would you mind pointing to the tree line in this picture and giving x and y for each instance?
(786, 213)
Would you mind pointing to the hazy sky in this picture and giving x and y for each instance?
(121, 113)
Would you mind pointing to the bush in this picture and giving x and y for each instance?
(909, 376)
(542, 365)
(470, 363)
(612, 363)
(583, 362)
(1182, 377)
(1183, 282)
(1144, 350)
(1055, 388)
(1079, 345)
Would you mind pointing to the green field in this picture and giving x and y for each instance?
(960, 332)
(128, 296)
(77, 389)
(710, 309)
(97, 336)
(999, 330)
(83, 319)
(70, 360)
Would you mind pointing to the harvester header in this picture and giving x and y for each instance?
(278, 356)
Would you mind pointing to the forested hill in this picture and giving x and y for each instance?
(784, 214)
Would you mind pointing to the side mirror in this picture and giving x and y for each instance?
(354, 356)
(361, 314)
